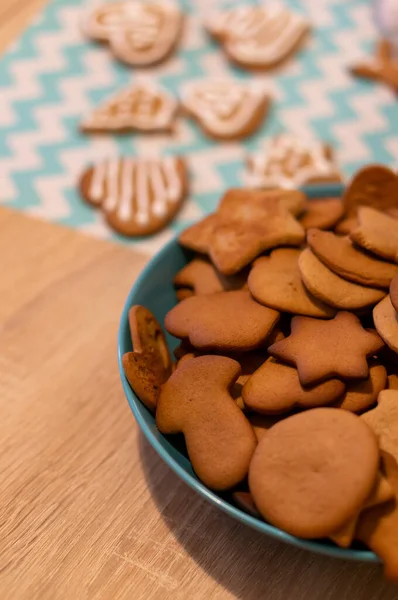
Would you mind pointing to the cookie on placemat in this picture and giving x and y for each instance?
(195, 401)
(145, 106)
(276, 388)
(275, 281)
(394, 292)
(377, 232)
(332, 289)
(102, 20)
(385, 318)
(225, 109)
(362, 394)
(289, 162)
(149, 365)
(323, 349)
(202, 277)
(313, 471)
(349, 261)
(383, 67)
(211, 322)
(375, 186)
(137, 196)
(322, 213)
(378, 526)
(258, 36)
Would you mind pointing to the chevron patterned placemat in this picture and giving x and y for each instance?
(53, 75)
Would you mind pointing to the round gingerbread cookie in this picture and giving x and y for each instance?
(137, 196)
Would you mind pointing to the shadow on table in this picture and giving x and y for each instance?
(247, 563)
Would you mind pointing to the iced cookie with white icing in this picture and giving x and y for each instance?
(258, 36)
(139, 33)
(225, 109)
(286, 161)
(144, 107)
(137, 196)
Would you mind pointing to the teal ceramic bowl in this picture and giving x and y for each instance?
(154, 289)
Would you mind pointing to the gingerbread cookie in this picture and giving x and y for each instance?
(275, 281)
(324, 349)
(377, 232)
(332, 289)
(346, 225)
(378, 526)
(195, 401)
(384, 421)
(383, 67)
(137, 196)
(202, 277)
(225, 109)
(289, 162)
(145, 107)
(392, 381)
(362, 394)
(210, 322)
(138, 33)
(313, 471)
(385, 319)
(197, 236)
(258, 36)
(375, 186)
(182, 293)
(342, 257)
(276, 388)
(394, 292)
(322, 213)
(247, 206)
(244, 501)
(149, 365)
(263, 423)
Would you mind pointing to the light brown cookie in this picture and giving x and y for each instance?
(257, 36)
(394, 292)
(381, 493)
(385, 319)
(183, 293)
(225, 109)
(195, 401)
(332, 289)
(149, 365)
(290, 162)
(202, 277)
(242, 204)
(275, 281)
(239, 236)
(197, 236)
(342, 257)
(275, 388)
(382, 68)
(145, 107)
(263, 423)
(313, 471)
(137, 196)
(375, 186)
(377, 232)
(323, 213)
(324, 349)
(378, 526)
(211, 323)
(347, 225)
(361, 395)
(392, 381)
(244, 501)
(384, 421)
(249, 363)
(101, 21)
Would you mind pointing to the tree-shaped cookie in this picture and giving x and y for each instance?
(196, 401)
(382, 68)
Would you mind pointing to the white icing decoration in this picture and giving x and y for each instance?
(160, 196)
(112, 183)
(134, 108)
(259, 35)
(125, 206)
(174, 185)
(142, 194)
(224, 107)
(280, 163)
(96, 189)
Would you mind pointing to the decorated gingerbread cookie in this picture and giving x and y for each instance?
(289, 162)
(139, 33)
(144, 106)
(137, 196)
(225, 109)
(258, 36)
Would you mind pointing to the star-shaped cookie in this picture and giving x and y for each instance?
(325, 349)
(382, 68)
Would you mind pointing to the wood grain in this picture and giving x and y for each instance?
(88, 510)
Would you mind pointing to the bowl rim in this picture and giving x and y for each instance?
(193, 483)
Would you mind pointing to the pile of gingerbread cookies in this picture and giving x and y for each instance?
(285, 385)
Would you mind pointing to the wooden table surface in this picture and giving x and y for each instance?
(87, 509)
